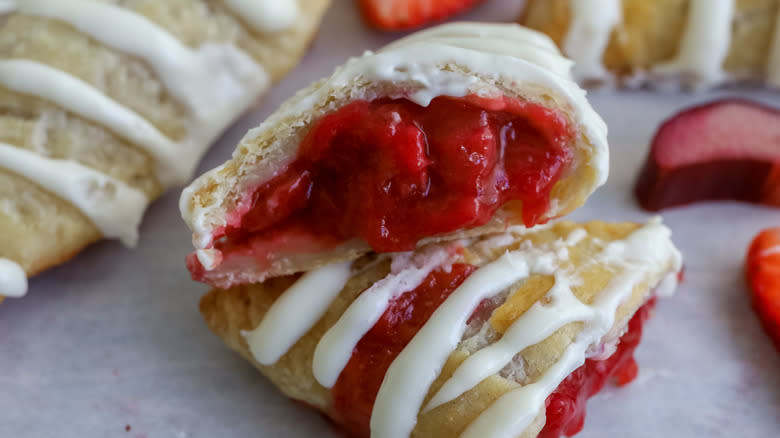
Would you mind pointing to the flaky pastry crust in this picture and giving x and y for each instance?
(229, 312)
(41, 229)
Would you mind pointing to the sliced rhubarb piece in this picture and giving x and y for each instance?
(724, 150)
(407, 14)
(763, 278)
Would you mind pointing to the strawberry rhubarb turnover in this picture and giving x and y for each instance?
(384, 248)
(452, 132)
(106, 104)
(503, 336)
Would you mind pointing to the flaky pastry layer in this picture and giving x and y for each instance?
(229, 313)
(41, 229)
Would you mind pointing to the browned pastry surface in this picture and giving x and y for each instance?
(651, 31)
(229, 312)
(39, 229)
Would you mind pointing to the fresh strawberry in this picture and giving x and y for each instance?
(763, 278)
(728, 149)
(407, 14)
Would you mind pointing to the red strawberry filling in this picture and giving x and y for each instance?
(357, 387)
(392, 172)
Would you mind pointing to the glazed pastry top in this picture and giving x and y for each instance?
(645, 255)
(211, 82)
(702, 52)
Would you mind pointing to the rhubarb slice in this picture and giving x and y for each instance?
(724, 150)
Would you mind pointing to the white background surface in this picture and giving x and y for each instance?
(114, 337)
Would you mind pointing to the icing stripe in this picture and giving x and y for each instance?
(588, 36)
(206, 79)
(550, 60)
(267, 15)
(536, 325)
(521, 43)
(460, 30)
(13, 280)
(511, 414)
(411, 374)
(81, 98)
(334, 350)
(542, 320)
(649, 246)
(773, 66)
(705, 43)
(296, 311)
(407, 381)
(114, 207)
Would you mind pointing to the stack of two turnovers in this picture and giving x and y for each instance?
(383, 252)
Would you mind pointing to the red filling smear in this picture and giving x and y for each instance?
(356, 389)
(566, 405)
(392, 172)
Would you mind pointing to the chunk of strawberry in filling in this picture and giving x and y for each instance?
(358, 385)
(392, 172)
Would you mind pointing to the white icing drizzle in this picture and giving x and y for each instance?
(705, 43)
(576, 236)
(13, 280)
(216, 81)
(113, 207)
(668, 285)
(81, 98)
(335, 348)
(207, 79)
(418, 63)
(410, 375)
(296, 311)
(645, 252)
(267, 16)
(648, 247)
(588, 36)
(490, 38)
(773, 66)
(536, 324)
